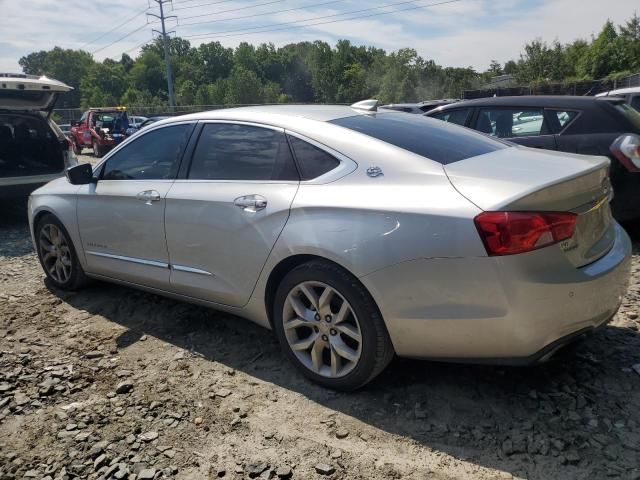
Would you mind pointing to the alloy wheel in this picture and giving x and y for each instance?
(55, 253)
(322, 329)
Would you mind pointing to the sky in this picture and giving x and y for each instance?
(457, 33)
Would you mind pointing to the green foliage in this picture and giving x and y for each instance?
(212, 74)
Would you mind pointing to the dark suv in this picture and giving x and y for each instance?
(586, 125)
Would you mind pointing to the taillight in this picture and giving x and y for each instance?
(507, 233)
(626, 148)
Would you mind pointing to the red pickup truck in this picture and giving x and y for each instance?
(100, 129)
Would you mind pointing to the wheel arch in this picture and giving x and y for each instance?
(286, 265)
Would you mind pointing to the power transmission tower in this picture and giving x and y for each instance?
(165, 42)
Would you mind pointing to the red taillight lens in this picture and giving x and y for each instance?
(507, 233)
(626, 148)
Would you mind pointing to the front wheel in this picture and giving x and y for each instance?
(97, 149)
(77, 149)
(329, 326)
(57, 255)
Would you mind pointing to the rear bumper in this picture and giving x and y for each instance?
(511, 310)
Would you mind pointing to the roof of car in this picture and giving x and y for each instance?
(619, 91)
(322, 113)
(553, 101)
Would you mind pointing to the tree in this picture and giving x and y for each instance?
(243, 87)
(495, 68)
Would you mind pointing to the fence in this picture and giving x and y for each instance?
(584, 88)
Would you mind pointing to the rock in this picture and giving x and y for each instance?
(147, 474)
(284, 472)
(148, 437)
(572, 457)
(97, 449)
(324, 469)
(5, 387)
(198, 421)
(223, 392)
(342, 433)
(100, 461)
(94, 354)
(507, 447)
(221, 472)
(124, 387)
(632, 315)
(336, 454)
(82, 437)
(255, 469)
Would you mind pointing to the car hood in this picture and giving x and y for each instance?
(29, 93)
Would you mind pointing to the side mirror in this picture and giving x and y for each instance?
(80, 174)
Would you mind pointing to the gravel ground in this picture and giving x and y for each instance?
(111, 382)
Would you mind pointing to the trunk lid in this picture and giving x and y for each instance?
(29, 93)
(524, 179)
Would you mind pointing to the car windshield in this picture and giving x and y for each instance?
(111, 120)
(631, 113)
(430, 138)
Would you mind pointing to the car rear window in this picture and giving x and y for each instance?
(438, 141)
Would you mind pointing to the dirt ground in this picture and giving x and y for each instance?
(111, 382)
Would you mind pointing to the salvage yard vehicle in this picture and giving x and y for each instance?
(33, 149)
(100, 129)
(631, 95)
(587, 125)
(354, 233)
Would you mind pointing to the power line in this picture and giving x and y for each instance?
(119, 39)
(294, 23)
(236, 9)
(254, 14)
(115, 28)
(203, 4)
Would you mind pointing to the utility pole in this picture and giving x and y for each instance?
(165, 43)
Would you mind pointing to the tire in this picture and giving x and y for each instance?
(69, 275)
(77, 149)
(97, 150)
(297, 322)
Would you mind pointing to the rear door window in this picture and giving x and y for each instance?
(635, 102)
(438, 141)
(630, 113)
(459, 116)
(228, 151)
(512, 122)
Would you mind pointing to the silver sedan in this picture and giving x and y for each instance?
(354, 234)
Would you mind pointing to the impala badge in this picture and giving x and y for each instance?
(374, 172)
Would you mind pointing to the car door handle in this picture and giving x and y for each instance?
(148, 196)
(251, 203)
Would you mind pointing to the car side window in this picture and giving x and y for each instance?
(313, 162)
(459, 116)
(228, 151)
(635, 102)
(152, 156)
(564, 116)
(512, 122)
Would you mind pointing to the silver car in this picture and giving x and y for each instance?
(352, 233)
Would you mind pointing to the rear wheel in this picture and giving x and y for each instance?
(329, 326)
(57, 254)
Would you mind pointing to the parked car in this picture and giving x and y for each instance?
(353, 234)
(586, 125)
(631, 95)
(33, 149)
(136, 120)
(100, 129)
(420, 107)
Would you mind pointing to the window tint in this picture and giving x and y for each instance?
(635, 102)
(511, 122)
(564, 117)
(312, 161)
(153, 156)
(459, 117)
(242, 152)
(433, 139)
